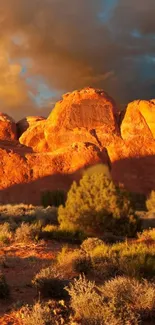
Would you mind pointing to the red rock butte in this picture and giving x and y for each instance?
(83, 129)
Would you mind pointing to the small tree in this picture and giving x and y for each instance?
(96, 204)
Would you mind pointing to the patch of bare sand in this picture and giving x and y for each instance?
(20, 263)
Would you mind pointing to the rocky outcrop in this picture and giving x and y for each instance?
(139, 120)
(87, 115)
(83, 129)
(8, 129)
(27, 122)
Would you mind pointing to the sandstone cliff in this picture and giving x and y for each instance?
(83, 129)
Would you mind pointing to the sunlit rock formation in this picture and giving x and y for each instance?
(87, 115)
(83, 129)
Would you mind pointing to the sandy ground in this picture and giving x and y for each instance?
(21, 263)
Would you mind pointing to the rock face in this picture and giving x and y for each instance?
(87, 115)
(8, 129)
(83, 129)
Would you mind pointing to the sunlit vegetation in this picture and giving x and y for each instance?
(96, 233)
(97, 205)
(120, 301)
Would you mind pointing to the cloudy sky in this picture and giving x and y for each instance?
(48, 47)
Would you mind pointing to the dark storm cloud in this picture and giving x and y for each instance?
(72, 46)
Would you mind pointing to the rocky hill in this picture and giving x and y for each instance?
(83, 129)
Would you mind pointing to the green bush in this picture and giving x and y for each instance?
(53, 198)
(150, 202)
(97, 205)
(121, 301)
(4, 288)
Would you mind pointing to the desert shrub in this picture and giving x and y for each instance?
(53, 198)
(136, 260)
(27, 232)
(39, 314)
(74, 261)
(55, 232)
(82, 264)
(147, 235)
(90, 243)
(85, 301)
(4, 288)
(5, 233)
(150, 202)
(47, 313)
(50, 283)
(104, 263)
(16, 214)
(96, 204)
(113, 303)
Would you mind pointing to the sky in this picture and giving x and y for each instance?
(49, 47)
